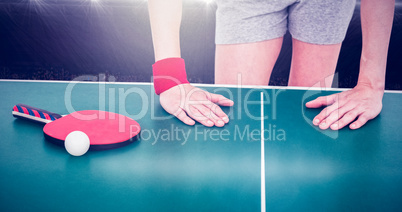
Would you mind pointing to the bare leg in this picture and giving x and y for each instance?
(252, 62)
(312, 64)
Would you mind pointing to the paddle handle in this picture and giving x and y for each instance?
(34, 114)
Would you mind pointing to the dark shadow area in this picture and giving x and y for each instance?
(61, 40)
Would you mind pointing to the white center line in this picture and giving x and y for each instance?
(262, 156)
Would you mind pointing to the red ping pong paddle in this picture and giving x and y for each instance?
(106, 130)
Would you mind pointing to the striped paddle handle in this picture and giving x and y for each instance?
(34, 114)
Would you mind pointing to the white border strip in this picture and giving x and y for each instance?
(271, 87)
(283, 87)
(201, 85)
(262, 156)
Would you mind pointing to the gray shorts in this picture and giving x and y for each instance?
(311, 21)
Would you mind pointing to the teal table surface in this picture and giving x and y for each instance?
(175, 167)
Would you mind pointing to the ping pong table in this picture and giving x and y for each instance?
(269, 157)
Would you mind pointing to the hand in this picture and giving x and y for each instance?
(362, 102)
(189, 103)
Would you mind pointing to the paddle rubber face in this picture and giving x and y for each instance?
(106, 130)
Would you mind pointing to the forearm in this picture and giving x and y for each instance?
(165, 17)
(376, 19)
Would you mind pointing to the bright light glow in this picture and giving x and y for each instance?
(208, 1)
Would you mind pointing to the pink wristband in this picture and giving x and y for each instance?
(169, 73)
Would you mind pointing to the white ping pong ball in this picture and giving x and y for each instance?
(77, 143)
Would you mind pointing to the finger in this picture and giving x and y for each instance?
(345, 120)
(322, 101)
(210, 115)
(218, 111)
(194, 113)
(329, 120)
(359, 122)
(219, 99)
(334, 116)
(318, 119)
(182, 116)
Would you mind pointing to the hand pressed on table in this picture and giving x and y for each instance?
(190, 104)
(362, 102)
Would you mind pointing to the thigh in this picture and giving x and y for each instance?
(313, 65)
(248, 63)
(248, 39)
(320, 21)
(318, 28)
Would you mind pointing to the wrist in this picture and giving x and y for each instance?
(168, 73)
(376, 86)
(372, 74)
(375, 83)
